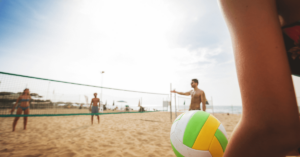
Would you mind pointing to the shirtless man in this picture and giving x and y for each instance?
(197, 96)
(95, 108)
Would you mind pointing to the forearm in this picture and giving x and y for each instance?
(264, 80)
(245, 136)
(203, 105)
(15, 105)
(269, 77)
(181, 93)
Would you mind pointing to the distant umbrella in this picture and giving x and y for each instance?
(122, 101)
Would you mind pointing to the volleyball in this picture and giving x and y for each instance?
(198, 133)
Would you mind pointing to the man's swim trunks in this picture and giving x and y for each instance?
(95, 109)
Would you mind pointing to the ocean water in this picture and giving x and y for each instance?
(225, 109)
(209, 108)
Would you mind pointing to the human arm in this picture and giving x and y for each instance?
(182, 93)
(99, 103)
(29, 100)
(269, 123)
(91, 105)
(13, 108)
(203, 99)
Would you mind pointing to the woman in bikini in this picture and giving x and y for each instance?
(266, 42)
(24, 106)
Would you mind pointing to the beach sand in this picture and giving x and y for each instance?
(118, 135)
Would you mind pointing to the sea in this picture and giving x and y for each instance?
(209, 108)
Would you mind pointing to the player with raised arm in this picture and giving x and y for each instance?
(197, 96)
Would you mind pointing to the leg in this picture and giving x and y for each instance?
(92, 119)
(98, 119)
(26, 118)
(19, 111)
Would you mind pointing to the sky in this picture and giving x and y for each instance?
(140, 45)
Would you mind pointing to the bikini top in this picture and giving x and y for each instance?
(291, 37)
(24, 100)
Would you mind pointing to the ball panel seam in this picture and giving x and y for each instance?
(187, 151)
(194, 126)
(215, 148)
(181, 126)
(222, 139)
(206, 134)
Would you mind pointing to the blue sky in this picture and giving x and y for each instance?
(141, 45)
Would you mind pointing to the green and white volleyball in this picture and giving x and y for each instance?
(198, 133)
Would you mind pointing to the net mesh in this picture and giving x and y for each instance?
(53, 97)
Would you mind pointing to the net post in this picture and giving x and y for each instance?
(184, 106)
(212, 105)
(171, 102)
(175, 106)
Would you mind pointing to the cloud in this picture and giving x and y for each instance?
(141, 45)
(200, 24)
(200, 29)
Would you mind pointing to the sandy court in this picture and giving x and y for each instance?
(120, 135)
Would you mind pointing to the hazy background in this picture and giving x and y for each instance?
(141, 45)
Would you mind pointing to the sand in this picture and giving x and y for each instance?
(119, 135)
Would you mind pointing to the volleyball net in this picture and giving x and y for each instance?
(61, 98)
